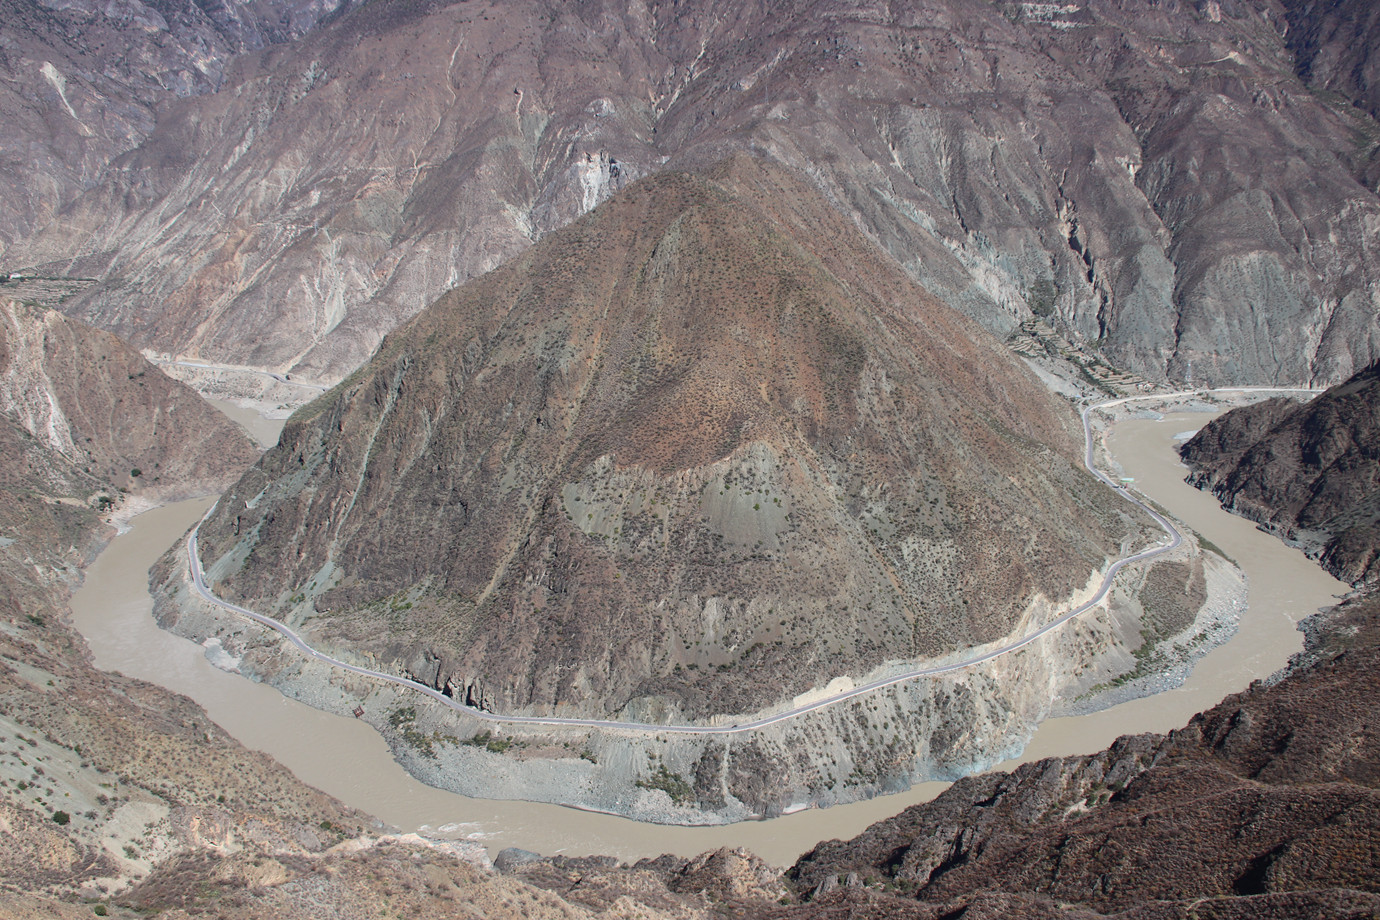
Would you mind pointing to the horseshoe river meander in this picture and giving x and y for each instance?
(347, 759)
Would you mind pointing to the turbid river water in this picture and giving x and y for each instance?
(1284, 587)
(260, 428)
(347, 759)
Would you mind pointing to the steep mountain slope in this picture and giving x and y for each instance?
(1157, 179)
(1335, 44)
(1263, 806)
(122, 426)
(680, 454)
(81, 81)
(1309, 472)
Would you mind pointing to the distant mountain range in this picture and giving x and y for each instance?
(1188, 187)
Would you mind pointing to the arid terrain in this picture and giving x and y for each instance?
(683, 363)
(749, 448)
(104, 777)
(703, 455)
(1184, 187)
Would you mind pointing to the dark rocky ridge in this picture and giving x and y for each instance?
(664, 456)
(1308, 472)
(1265, 805)
(1140, 172)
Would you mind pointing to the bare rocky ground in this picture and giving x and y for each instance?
(1263, 806)
(1162, 618)
(706, 419)
(1306, 472)
(1184, 189)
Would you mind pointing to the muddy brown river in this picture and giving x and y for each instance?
(347, 759)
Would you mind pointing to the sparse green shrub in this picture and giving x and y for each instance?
(670, 783)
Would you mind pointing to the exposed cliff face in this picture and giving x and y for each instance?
(663, 457)
(1158, 179)
(1310, 472)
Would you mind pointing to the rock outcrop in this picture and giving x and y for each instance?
(1310, 472)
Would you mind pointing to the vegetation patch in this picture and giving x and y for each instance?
(670, 783)
(403, 720)
(488, 742)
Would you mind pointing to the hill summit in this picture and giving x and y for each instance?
(698, 452)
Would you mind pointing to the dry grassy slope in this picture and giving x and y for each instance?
(142, 774)
(671, 452)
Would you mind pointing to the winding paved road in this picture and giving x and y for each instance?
(1175, 539)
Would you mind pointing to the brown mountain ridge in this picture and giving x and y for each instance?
(683, 453)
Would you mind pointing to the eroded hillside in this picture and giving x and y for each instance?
(680, 455)
(1136, 174)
